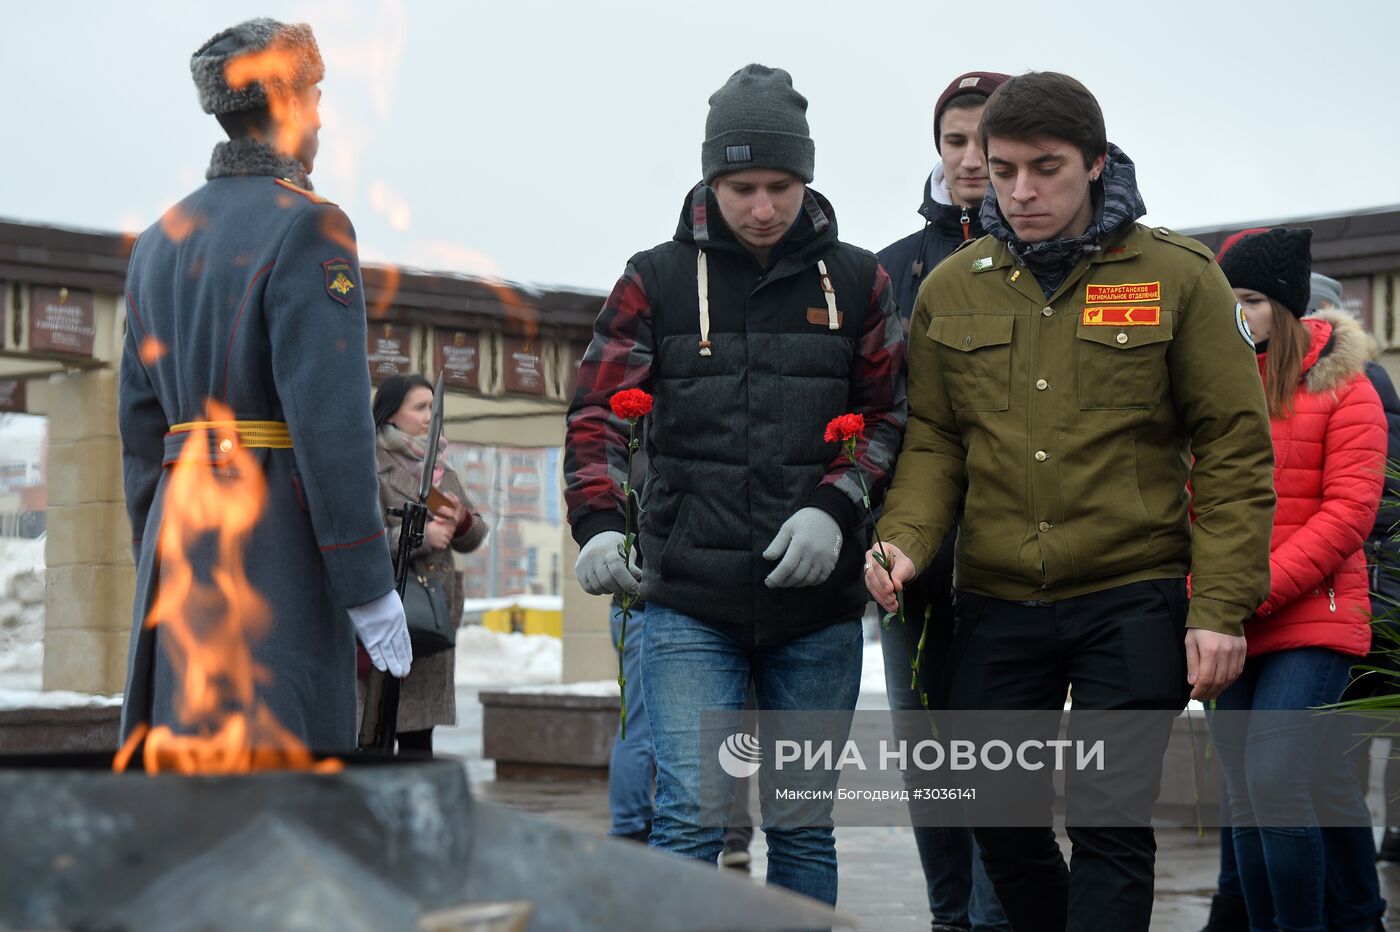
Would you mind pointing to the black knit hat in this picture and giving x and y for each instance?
(1276, 263)
(757, 120)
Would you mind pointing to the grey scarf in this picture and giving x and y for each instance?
(252, 157)
(1118, 202)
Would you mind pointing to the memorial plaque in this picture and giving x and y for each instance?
(457, 355)
(12, 399)
(388, 351)
(61, 321)
(1356, 299)
(524, 370)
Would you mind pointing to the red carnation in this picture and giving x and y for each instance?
(845, 427)
(631, 403)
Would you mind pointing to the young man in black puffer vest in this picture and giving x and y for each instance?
(753, 328)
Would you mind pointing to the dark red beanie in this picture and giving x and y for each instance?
(974, 82)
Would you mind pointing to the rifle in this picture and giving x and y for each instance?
(379, 726)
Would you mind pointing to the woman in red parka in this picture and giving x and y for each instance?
(1286, 776)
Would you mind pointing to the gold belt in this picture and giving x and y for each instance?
(270, 434)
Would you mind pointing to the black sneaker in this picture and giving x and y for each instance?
(1390, 845)
(641, 836)
(1227, 914)
(736, 858)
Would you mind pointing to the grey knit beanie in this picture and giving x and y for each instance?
(1325, 291)
(757, 120)
(293, 63)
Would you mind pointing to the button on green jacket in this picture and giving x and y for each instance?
(1061, 434)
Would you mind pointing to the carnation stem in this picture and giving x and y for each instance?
(628, 598)
(880, 556)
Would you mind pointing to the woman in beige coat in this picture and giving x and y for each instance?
(402, 412)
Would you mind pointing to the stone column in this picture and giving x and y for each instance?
(588, 649)
(89, 579)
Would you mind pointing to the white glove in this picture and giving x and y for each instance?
(808, 544)
(601, 569)
(383, 630)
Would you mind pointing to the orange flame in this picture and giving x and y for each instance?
(207, 628)
(178, 225)
(517, 308)
(275, 68)
(152, 350)
(387, 292)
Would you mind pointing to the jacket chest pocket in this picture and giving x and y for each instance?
(1123, 366)
(977, 371)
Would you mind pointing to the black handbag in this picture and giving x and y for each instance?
(429, 622)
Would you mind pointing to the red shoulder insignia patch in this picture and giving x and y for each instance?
(311, 196)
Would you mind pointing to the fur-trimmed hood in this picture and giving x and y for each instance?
(1338, 351)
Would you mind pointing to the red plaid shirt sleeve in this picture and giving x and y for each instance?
(619, 356)
(878, 393)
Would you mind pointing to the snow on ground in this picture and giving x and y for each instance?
(872, 669)
(490, 658)
(53, 699)
(582, 688)
(21, 612)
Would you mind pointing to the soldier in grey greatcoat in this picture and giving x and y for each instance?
(248, 293)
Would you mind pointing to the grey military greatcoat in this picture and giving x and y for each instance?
(249, 292)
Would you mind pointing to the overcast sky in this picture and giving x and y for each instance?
(547, 142)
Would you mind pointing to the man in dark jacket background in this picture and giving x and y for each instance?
(953, 193)
(1383, 564)
(959, 894)
(753, 327)
(248, 293)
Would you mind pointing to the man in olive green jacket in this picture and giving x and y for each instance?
(1069, 374)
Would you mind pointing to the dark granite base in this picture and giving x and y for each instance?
(548, 736)
(80, 729)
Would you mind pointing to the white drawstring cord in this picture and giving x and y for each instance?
(832, 321)
(703, 278)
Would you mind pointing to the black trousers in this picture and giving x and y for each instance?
(1120, 649)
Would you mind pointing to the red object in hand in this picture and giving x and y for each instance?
(631, 403)
(845, 427)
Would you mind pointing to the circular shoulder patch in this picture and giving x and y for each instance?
(1243, 324)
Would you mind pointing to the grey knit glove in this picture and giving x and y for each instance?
(601, 569)
(808, 544)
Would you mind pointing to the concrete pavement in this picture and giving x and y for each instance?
(881, 883)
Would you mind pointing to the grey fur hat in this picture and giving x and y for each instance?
(296, 64)
(757, 120)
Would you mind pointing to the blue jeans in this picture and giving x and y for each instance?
(1295, 876)
(690, 667)
(959, 892)
(633, 762)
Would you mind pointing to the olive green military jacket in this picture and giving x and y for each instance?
(1061, 434)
